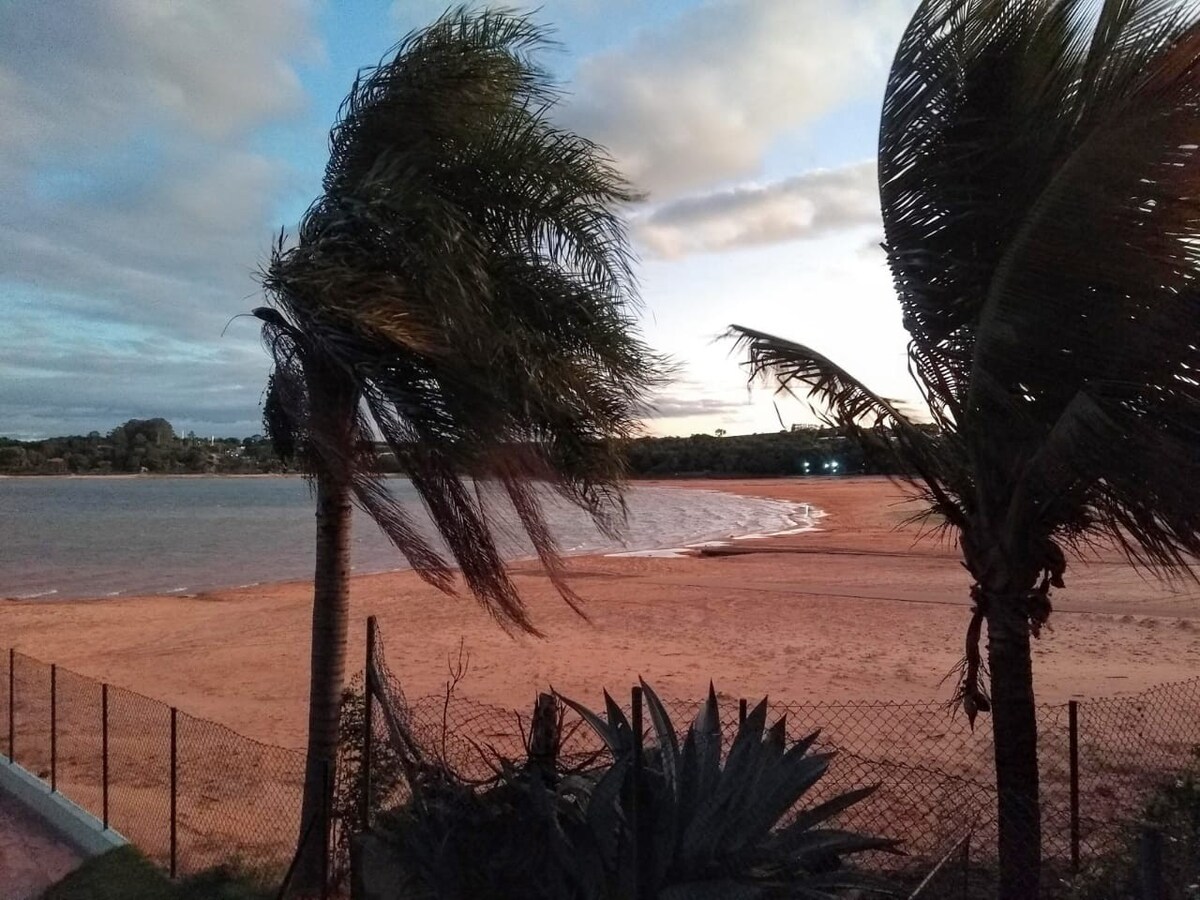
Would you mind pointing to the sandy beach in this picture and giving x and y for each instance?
(862, 609)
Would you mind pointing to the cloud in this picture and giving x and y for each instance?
(75, 73)
(177, 252)
(419, 13)
(811, 205)
(674, 407)
(213, 391)
(136, 207)
(701, 99)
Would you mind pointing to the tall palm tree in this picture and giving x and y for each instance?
(1040, 189)
(461, 290)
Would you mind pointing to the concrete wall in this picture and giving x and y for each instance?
(73, 824)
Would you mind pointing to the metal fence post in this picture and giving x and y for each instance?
(640, 885)
(1073, 735)
(368, 710)
(53, 728)
(325, 828)
(1150, 864)
(743, 706)
(966, 873)
(12, 693)
(174, 789)
(104, 749)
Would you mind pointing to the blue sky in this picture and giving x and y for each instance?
(151, 150)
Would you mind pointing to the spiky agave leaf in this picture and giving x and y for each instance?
(713, 829)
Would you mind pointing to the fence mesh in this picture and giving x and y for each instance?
(934, 773)
(237, 800)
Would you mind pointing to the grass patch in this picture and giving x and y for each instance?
(124, 874)
(116, 875)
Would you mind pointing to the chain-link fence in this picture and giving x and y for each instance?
(189, 793)
(935, 773)
(1101, 761)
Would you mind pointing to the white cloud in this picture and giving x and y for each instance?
(419, 13)
(702, 98)
(806, 206)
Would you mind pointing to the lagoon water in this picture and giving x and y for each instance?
(97, 537)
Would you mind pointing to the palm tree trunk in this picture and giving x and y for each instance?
(331, 607)
(1014, 726)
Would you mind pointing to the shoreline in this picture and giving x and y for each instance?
(799, 518)
(857, 611)
(124, 476)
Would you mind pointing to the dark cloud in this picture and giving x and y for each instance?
(136, 211)
(211, 392)
(672, 407)
(811, 205)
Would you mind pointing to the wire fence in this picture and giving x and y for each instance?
(191, 793)
(935, 774)
(1101, 761)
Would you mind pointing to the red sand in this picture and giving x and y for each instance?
(859, 610)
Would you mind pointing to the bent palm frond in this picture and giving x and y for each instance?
(466, 272)
(849, 403)
(845, 402)
(1037, 167)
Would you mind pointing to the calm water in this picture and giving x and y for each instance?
(95, 537)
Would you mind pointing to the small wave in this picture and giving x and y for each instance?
(662, 521)
(37, 594)
(665, 553)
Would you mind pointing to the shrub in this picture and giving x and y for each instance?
(1174, 811)
(691, 822)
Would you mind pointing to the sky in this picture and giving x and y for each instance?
(150, 151)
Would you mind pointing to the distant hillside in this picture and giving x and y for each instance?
(806, 451)
(152, 446)
(139, 445)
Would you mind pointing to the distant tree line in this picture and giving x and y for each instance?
(139, 446)
(801, 451)
(151, 446)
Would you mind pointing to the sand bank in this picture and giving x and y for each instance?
(860, 609)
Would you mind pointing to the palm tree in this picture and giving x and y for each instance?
(1038, 177)
(461, 290)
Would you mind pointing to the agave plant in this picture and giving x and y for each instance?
(729, 826)
(519, 837)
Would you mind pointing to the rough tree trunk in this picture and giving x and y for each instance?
(1014, 726)
(331, 604)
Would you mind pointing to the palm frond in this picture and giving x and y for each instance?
(839, 395)
(1037, 171)
(845, 402)
(467, 271)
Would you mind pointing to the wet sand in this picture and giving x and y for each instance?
(863, 609)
